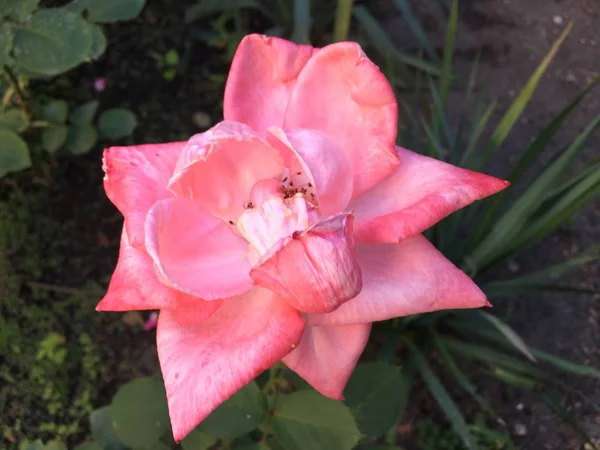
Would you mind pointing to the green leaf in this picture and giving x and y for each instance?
(51, 110)
(374, 394)
(510, 335)
(172, 57)
(448, 54)
(14, 119)
(208, 7)
(54, 137)
(239, 415)
(415, 28)
(302, 22)
(18, 10)
(101, 426)
(116, 123)
(7, 36)
(567, 366)
(93, 445)
(53, 41)
(197, 440)
(306, 419)
(139, 412)
(98, 46)
(108, 11)
(81, 138)
(77, 6)
(14, 153)
(84, 114)
(441, 396)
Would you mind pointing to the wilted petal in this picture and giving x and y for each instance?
(204, 362)
(342, 93)
(261, 78)
(317, 164)
(403, 279)
(217, 169)
(196, 252)
(136, 177)
(327, 356)
(316, 270)
(420, 193)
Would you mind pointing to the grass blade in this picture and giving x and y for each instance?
(476, 132)
(415, 28)
(302, 21)
(566, 366)
(440, 113)
(343, 16)
(510, 335)
(448, 55)
(441, 396)
(435, 148)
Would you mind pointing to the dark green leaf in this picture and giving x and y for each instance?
(101, 426)
(18, 10)
(77, 6)
(7, 36)
(54, 137)
(53, 41)
(239, 415)
(14, 119)
(567, 366)
(81, 139)
(510, 335)
(89, 446)
(448, 55)
(51, 110)
(441, 396)
(198, 440)
(14, 153)
(302, 22)
(116, 123)
(84, 114)
(415, 28)
(107, 11)
(139, 412)
(374, 394)
(306, 419)
(98, 46)
(208, 7)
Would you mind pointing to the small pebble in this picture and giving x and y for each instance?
(557, 20)
(201, 119)
(520, 429)
(520, 407)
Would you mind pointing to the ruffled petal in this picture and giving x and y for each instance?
(313, 271)
(420, 193)
(136, 177)
(342, 93)
(205, 361)
(134, 285)
(412, 277)
(261, 79)
(317, 165)
(195, 252)
(327, 356)
(218, 169)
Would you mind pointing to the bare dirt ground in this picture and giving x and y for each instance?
(514, 35)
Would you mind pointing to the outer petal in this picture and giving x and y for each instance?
(217, 169)
(341, 92)
(403, 279)
(136, 177)
(134, 285)
(327, 356)
(313, 271)
(420, 193)
(317, 164)
(261, 78)
(204, 362)
(196, 252)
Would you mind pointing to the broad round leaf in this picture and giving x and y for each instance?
(239, 415)
(14, 153)
(98, 41)
(6, 43)
(14, 119)
(81, 139)
(139, 412)
(307, 416)
(116, 123)
(374, 394)
(55, 445)
(89, 446)
(52, 110)
(53, 41)
(103, 431)
(114, 10)
(19, 10)
(54, 137)
(197, 440)
(84, 114)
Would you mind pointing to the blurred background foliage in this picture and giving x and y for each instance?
(72, 378)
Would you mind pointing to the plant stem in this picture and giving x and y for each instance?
(343, 15)
(15, 84)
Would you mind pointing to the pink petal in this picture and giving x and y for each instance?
(316, 270)
(403, 279)
(420, 193)
(316, 163)
(217, 169)
(134, 285)
(327, 356)
(204, 362)
(195, 252)
(341, 92)
(136, 177)
(261, 79)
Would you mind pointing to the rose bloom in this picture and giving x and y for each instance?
(284, 231)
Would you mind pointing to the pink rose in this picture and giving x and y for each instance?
(284, 231)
